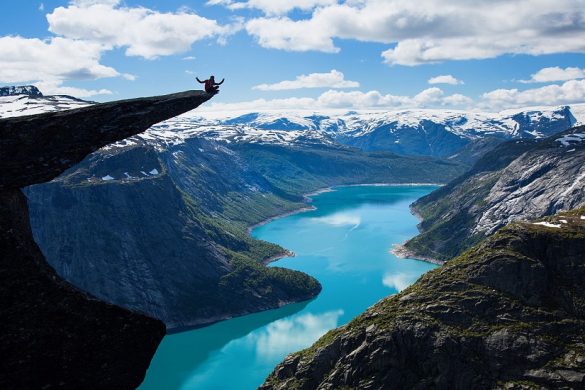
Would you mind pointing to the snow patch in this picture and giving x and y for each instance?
(107, 178)
(570, 139)
(154, 172)
(547, 224)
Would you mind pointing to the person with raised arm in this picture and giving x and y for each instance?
(210, 85)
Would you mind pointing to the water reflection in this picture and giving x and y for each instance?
(293, 334)
(353, 265)
(340, 219)
(399, 281)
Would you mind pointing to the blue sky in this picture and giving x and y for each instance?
(313, 54)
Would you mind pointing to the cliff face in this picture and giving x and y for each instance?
(517, 180)
(173, 221)
(509, 314)
(52, 334)
(56, 141)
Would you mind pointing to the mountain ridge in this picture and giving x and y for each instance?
(516, 180)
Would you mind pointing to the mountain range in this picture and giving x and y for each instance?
(158, 223)
(190, 201)
(449, 134)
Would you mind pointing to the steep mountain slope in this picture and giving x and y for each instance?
(53, 335)
(517, 180)
(508, 314)
(163, 214)
(168, 210)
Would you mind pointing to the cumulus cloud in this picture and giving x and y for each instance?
(86, 29)
(445, 79)
(49, 63)
(457, 100)
(332, 79)
(546, 75)
(55, 87)
(24, 59)
(272, 7)
(572, 91)
(143, 32)
(290, 35)
(428, 31)
(335, 99)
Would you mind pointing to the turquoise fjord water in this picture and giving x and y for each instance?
(345, 244)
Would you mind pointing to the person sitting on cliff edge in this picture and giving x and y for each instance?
(210, 85)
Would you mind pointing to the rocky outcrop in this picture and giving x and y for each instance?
(508, 314)
(58, 140)
(517, 180)
(52, 334)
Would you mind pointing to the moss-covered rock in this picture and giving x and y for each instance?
(508, 313)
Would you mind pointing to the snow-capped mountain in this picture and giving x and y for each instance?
(437, 133)
(28, 100)
(29, 90)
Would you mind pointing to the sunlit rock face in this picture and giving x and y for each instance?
(517, 180)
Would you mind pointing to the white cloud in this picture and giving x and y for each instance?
(49, 63)
(332, 79)
(572, 91)
(56, 88)
(335, 99)
(24, 59)
(291, 35)
(42, 7)
(457, 100)
(143, 32)
(546, 75)
(428, 31)
(189, 58)
(273, 7)
(445, 79)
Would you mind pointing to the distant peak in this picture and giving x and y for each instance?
(29, 90)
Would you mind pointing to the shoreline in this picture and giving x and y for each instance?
(402, 252)
(282, 255)
(399, 250)
(412, 184)
(277, 216)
